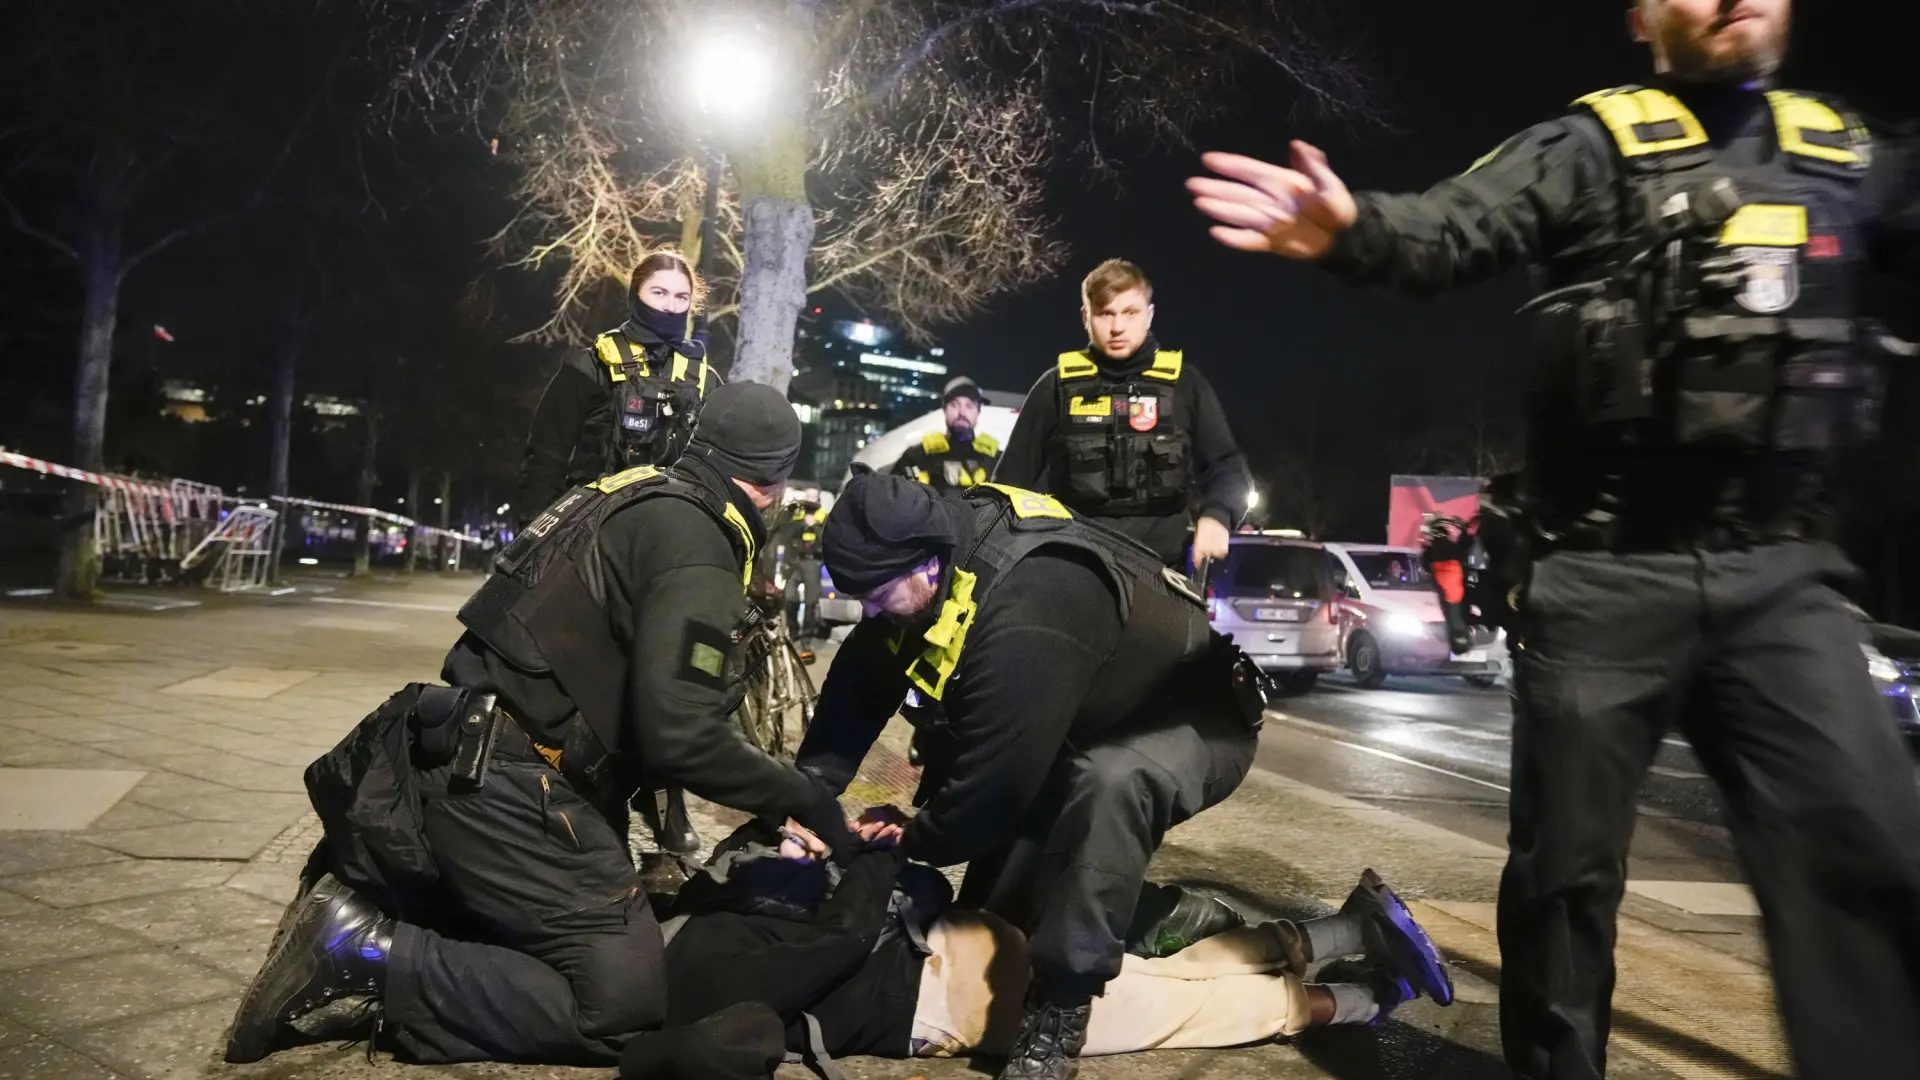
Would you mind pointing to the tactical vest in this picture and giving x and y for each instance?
(1164, 621)
(1120, 450)
(946, 467)
(543, 607)
(653, 410)
(1742, 338)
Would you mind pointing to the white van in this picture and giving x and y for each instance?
(1390, 623)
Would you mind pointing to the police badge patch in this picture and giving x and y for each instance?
(1144, 413)
(1772, 279)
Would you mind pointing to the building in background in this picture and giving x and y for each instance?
(854, 380)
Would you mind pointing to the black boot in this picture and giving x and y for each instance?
(1051, 1038)
(1170, 918)
(677, 833)
(334, 948)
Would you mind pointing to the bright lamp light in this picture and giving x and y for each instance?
(1253, 498)
(733, 73)
(1405, 625)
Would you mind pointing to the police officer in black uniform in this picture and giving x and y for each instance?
(1072, 703)
(480, 890)
(959, 457)
(1700, 240)
(1128, 433)
(630, 400)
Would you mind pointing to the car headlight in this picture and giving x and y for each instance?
(1404, 625)
(1878, 666)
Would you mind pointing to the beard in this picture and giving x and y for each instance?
(1697, 60)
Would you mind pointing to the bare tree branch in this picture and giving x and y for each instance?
(20, 224)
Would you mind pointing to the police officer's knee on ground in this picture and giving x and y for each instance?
(1703, 238)
(1073, 705)
(481, 898)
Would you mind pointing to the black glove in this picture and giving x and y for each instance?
(826, 820)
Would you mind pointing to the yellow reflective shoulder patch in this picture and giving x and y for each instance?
(947, 638)
(1644, 121)
(986, 444)
(1802, 121)
(739, 524)
(1166, 365)
(607, 348)
(1100, 406)
(1076, 365)
(935, 443)
(611, 484)
(1484, 159)
(1031, 504)
(1760, 225)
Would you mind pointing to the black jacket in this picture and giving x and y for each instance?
(673, 581)
(1011, 703)
(1549, 196)
(1219, 468)
(572, 437)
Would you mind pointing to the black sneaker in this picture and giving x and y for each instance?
(1193, 917)
(334, 948)
(1396, 942)
(1051, 1038)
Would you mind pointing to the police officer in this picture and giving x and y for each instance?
(1128, 433)
(960, 457)
(1073, 706)
(593, 661)
(1704, 236)
(630, 400)
(798, 537)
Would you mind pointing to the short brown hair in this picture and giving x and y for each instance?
(1110, 279)
(668, 258)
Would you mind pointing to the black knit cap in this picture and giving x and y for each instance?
(961, 386)
(882, 527)
(748, 430)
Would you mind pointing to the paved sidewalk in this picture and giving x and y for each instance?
(152, 825)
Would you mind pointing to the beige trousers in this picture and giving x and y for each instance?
(1227, 990)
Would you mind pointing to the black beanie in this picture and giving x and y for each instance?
(882, 527)
(749, 431)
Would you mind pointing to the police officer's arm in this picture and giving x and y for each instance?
(1538, 193)
(1023, 461)
(1894, 194)
(674, 596)
(863, 690)
(1029, 663)
(1220, 467)
(557, 421)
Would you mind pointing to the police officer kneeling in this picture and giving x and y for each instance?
(1072, 704)
(481, 893)
(1703, 238)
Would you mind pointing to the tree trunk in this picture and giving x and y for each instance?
(286, 361)
(363, 557)
(102, 216)
(779, 236)
(413, 511)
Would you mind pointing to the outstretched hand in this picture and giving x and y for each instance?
(1297, 212)
(881, 826)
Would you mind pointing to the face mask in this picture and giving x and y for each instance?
(665, 323)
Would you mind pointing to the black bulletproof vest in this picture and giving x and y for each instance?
(543, 607)
(651, 408)
(1164, 623)
(1119, 450)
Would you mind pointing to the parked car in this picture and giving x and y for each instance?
(1893, 659)
(1275, 595)
(1389, 621)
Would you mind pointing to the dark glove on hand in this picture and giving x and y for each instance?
(827, 821)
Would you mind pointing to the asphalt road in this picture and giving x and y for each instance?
(1437, 750)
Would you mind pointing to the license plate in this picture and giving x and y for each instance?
(1277, 614)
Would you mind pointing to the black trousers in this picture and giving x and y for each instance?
(1073, 877)
(542, 947)
(1758, 662)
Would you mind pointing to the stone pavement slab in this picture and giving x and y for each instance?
(241, 682)
(119, 881)
(60, 799)
(43, 936)
(58, 998)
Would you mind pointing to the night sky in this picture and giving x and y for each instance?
(1458, 78)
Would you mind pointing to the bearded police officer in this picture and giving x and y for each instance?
(481, 894)
(1072, 705)
(1128, 433)
(959, 457)
(630, 400)
(1700, 240)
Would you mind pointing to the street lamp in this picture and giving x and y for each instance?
(733, 66)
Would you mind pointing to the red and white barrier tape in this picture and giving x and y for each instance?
(154, 490)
